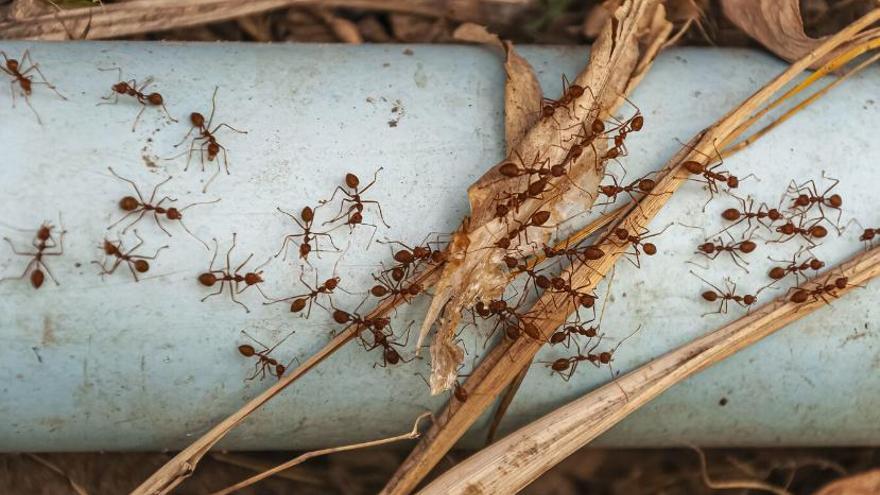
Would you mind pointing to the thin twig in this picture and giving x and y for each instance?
(316, 453)
(733, 484)
(57, 470)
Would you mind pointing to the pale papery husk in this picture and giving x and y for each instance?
(615, 57)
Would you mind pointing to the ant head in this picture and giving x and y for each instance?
(573, 152)
(647, 185)
(25, 85)
(246, 350)
(773, 214)
(307, 214)
(355, 218)
(560, 364)
(747, 246)
(37, 278)
(816, 264)
(341, 317)
(497, 305)
(749, 299)
(558, 283)
(559, 336)
(557, 170)
(710, 296)
(649, 248)
(818, 231)
(800, 296)
(44, 232)
(694, 167)
(733, 182)
(867, 235)
(621, 233)
(197, 119)
(587, 300)
(590, 332)
(379, 290)
(121, 87)
(501, 210)
(438, 257)
(155, 99)
(730, 214)
(612, 153)
(331, 283)
(608, 190)
(352, 181)
(173, 213)
(841, 282)
(252, 278)
(207, 279)
(547, 111)
(279, 370)
(598, 127)
(12, 65)
(777, 272)
(379, 323)
(298, 304)
(503, 243)
(511, 262)
(787, 229)
(835, 201)
(509, 169)
(707, 247)
(129, 203)
(141, 266)
(605, 357)
(404, 256)
(575, 90)
(109, 248)
(421, 252)
(802, 200)
(414, 289)
(637, 122)
(537, 187)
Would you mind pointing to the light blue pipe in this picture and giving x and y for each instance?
(111, 364)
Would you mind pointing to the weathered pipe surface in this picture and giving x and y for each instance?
(112, 364)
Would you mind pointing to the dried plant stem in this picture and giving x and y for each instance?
(143, 16)
(182, 465)
(79, 490)
(316, 453)
(516, 460)
(734, 484)
(504, 361)
(247, 462)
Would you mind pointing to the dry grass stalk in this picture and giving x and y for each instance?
(79, 490)
(144, 16)
(518, 459)
(734, 484)
(253, 464)
(502, 363)
(316, 453)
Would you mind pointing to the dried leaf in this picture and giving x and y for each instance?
(859, 484)
(778, 25)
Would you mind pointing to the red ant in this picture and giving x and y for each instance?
(18, 72)
(134, 205)
(508, 317)
(636, 241)
(807, 194)
(538, 219)
(43, 241)
(305, 247)
(570, 92)
(354, 213)
(387, 287)
(789, 230)
(131, 88)
(643, 185)
(711, 175)
(745, 301)
(867, 236)
(136, 263)
(206, 140)
(734, 249)
(302, 300)
(583, 254)
(801, 295)
(228, 275)
(511, 170)
(377, 327)
(633, 124)
(780, 272)
(748, 213)
(579, 299)
(409, 258)
(264, 364)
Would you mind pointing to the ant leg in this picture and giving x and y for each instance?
(138, 219)
(191, 129)
(15, 250)
(136, 119)
(220, 291)
(224, 124)
(159, 223)
(213, 107)
(27, 268)
(156, 189)
(245, 262)
(379, 207)
(136, 190)
(48, 271)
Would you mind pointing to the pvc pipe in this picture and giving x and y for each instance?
(112, 364)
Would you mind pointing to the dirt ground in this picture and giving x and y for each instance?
(590, 471)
